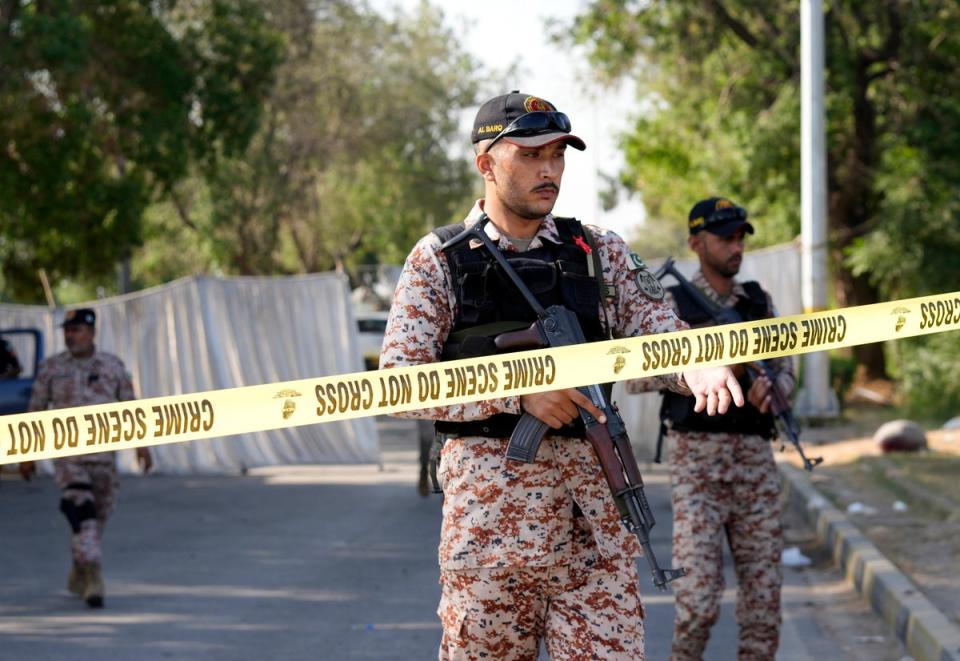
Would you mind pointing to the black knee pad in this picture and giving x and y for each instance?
(77, 514)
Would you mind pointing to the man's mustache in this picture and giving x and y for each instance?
(546, 186)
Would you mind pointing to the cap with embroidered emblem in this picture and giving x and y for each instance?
(524, 120)
(719, 216)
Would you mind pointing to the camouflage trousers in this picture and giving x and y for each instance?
(84, 482)
(503, 613)
(747, 514)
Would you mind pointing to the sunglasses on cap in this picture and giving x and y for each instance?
(726, 215)
(533, 123)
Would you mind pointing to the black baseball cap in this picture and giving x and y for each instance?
(541, 125)
(719, 216)
(80, 316)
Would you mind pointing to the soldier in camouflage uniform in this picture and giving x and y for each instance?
(530, 550)
(88, 483)
(724, 480)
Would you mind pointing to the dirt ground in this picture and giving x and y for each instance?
(909, 504)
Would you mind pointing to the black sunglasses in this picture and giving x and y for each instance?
(726, 215)
(533, 123)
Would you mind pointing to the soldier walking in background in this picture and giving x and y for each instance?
(78, 376)
(724, 480)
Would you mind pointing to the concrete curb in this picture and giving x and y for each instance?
(926, 632)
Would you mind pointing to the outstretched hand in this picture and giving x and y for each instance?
(714, 388)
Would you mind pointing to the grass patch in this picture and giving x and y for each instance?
(934, 470)
(927, 482)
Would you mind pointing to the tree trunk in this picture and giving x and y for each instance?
(853, 204)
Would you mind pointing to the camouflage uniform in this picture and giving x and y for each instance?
(727, 485)
(526, 549)
(64, 381)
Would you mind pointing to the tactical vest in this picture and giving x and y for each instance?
(488, 303)
(747, 419)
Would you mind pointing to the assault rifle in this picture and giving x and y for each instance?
(555, 327)
(786, 423)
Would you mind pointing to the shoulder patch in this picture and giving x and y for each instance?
(648, 284)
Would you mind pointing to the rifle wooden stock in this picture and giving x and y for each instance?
(619, 466)
(603, 446)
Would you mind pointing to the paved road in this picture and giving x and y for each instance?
(303, 563)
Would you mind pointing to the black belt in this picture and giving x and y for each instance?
(501, 425)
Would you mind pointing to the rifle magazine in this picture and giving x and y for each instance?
(525, 439)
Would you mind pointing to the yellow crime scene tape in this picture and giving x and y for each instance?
(178, 418)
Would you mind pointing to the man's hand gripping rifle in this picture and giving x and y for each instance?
(555, 327)
(786, 423)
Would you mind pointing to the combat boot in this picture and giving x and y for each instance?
(77, 581)
(93, 588)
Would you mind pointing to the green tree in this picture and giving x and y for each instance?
(351, 162)
(722, 77)
(106, 105)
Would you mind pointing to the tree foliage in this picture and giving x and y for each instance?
(107, 105)
(351, 161)
(723, 78)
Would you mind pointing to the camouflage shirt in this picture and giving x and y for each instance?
(64, 381)
(727, 457)
(783, 367)
(499, 513)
